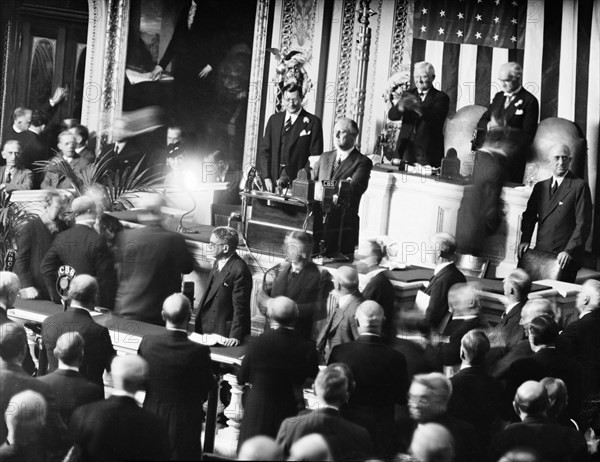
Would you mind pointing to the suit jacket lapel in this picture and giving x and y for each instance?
(559, 195)
(217, 278)
(328, 158)
(347, 165)
(296, 129)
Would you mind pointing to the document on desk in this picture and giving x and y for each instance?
(207, 339)
(422, 301)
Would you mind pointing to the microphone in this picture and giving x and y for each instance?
(10, 259)
(249, 180)
(65, 275)
(328, 193)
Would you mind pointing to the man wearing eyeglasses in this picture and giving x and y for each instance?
(225, 306)
(290, 138)
(12, 176)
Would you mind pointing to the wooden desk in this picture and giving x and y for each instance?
(566, 299)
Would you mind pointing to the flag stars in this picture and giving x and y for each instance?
(513, 39)
(440, 31)
(495, 37)
(478, 17)
(423, 29)
(514, 3)
(513, 21)
(459, 33)
(496, 19)
(442, 13)
(497, 2)
(424, 11)
(477, 35)
(460, 15)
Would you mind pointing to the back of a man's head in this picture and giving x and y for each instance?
(474, 346)
(588, 298)
(537, 307)
(69, 349)
(84, 290)
(84, 207)
(445, 246)
(369, 317)
(346, 278)
(331, 386)
(518, 284)
(543, 330)
(13, 343)
(9, 288)
(25, 417)
(520, 454)
(557, 395)
(283, 311)
(463, 298)
(531, 400)
(431, 442)
(428, 396)
(260, 448)
(128, 372)
(176, 311)
(311, 447)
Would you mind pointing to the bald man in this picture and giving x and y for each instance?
(380, 375)
(311, 447)
(276, 365)
(260, 448)
(561, 206)
(552, 441)
(116, 428)
(179, 379)
(432, 442)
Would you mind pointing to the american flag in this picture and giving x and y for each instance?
(556, 41)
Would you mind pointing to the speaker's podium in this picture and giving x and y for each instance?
(273, 217)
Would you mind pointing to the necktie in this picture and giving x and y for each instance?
(422, 96)
(507, 100)
(288, 124)
(191, 14)
(336, 165)
(553, 188)
(8, 177)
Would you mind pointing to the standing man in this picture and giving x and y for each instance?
(562, 208)
(345, 162)
(225, 306)
(152, 262)
(514, 114)
(290, 138)
(82, 135)
(179, 379)
(423, 111)
(12, 175)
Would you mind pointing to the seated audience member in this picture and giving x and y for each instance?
(9, 289)
(277, 365)
(81, 134)
(13, 380)
(260, 448)
(432, 442)
(179, 378)
(341, 326)
(445, 275)
(553, 442)
(374, 284)
(347, 440)
(580, 339)
(547, 361)
(116, 428)
(83, 249)
(463, 300)
(302, 281)
(428, 403)
(26, 422)
(225, 305)
(12, 176)
(54, 177)
(532, 309)
(475, 395)
(311, 447)
(152, 261)
(558, 397)
(98, 351)
(33, 242)
(68, 385)
(380, 375)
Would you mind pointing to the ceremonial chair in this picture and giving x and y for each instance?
(458, 133)
(470, 265)
(540, 265)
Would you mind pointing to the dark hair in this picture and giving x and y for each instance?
(228, 235)
(38, 118)
(110, 223)
(476, 346)
(82, 131)
(293, 88)
(376, 250)
(333, 383)
(13, 341)
(543, 330)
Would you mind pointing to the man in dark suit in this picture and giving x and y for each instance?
(341, 327)
(83, 293)
(83, 249)
(225, 306)
(423, 111)
(552, 441)
(547, 361)
(13, 380)
(68, 385)
(375, 284)
(475, 395)
(509, 331)
(82, 135)
(179, 379)
(152, 262)
(290, 138)
(12, 175)
(445, 275)
(346, 440)
(512, 117)
(53, 177)
(116, 428)
(344, 163)
(36, 149)
(380, 375)
(276, 364)
(304, 282)
(580, 339)
(562, 208)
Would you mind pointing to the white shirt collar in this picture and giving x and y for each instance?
(74, 304)
(558, 179)
(440, 267)
(510, 307)
(466, 316)
(177, 330)
(3, 306)
(584, 313)
(343, 154)
(64, 367)
(511, 94)
(344, 300)
(78, 150)
(221, 262)
(292, 117)
(18, 130)
(116, 392)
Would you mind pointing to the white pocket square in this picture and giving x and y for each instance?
(304, 133)
(519, 112)
(560, 203)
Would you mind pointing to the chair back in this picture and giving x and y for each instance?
(220, 213)
(540, 265)
(470, 265)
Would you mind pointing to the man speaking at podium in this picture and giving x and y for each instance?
(345, 162)
(290, 138)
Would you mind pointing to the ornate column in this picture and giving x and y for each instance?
(227, 438)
